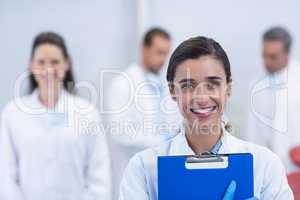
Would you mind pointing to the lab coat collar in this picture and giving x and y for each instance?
(155, 79)
(180, 145)
(231, 144)
(60, 107)
(149, 76)
(279, 78)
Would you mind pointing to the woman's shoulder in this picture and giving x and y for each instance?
(80, 101)
(148, 157)
(269, 172)
(260, 153)
(81, 104)
(16, 105)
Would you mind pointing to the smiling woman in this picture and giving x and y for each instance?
(200, 83)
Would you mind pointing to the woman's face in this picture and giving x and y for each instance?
(48, 65)
(201, 91)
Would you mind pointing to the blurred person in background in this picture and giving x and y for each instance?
(275, 114)
(49, 146)
(143, 111)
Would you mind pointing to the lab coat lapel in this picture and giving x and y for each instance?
(137, 73)
(231, 144)
(179, 145)
(60, 107)
(53, 116)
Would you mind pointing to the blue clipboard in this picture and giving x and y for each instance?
(204, 177)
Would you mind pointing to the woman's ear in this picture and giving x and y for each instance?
(67, 65)
(31, 67)
(174, 97)
(172, 91)
(229, 88)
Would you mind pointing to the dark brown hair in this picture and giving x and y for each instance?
(279, 34)
(150, 35)
(194, 48)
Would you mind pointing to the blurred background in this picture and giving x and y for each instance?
(106, 35)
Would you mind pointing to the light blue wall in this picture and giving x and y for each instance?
(99, 34)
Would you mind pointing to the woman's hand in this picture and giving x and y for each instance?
(229, 194)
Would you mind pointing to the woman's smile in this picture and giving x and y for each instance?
(204, 112)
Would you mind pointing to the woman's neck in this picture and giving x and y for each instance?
(201, 140)
(49, 96)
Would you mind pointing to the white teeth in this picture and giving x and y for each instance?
(203, 110)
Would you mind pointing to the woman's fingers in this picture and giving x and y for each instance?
(229, 194)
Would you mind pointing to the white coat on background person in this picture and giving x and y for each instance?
(143, 123)
(275, 110)
(55, 155)
(143, 114)
(274, 117)
(51, 143)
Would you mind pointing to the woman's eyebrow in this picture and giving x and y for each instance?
(186, 80)
(209, 78)
(214, 78)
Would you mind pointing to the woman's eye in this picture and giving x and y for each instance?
(55, 62)
(41, 62)
(210, 86)
(187, 86)
(213, 85)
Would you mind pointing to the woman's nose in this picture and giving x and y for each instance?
(201, 90)
(50, 68)
(200, 98)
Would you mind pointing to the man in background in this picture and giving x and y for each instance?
(275, 102)
(143, 114)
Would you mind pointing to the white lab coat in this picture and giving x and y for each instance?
(140, 177)
(275, 113)
(143, 122)
(55, 154)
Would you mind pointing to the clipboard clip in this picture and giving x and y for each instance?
(206, 161)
